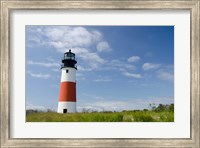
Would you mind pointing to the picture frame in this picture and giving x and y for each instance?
(8, 6)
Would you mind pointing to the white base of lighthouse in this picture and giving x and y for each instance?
(66, 107)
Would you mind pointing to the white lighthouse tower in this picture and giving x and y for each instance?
(67, 97)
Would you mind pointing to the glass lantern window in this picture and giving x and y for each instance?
(69, 56)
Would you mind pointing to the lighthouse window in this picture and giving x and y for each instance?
(67, 71)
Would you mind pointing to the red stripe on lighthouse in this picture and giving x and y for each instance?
(67, 92)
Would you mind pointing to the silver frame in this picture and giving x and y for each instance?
(7, 6)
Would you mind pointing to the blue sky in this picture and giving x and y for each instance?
(119, 67)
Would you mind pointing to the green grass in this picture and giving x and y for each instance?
(126, 116)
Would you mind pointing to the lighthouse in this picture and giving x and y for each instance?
(67, 96)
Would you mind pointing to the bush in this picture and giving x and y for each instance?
(163, 107)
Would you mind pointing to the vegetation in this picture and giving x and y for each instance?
(161, 113)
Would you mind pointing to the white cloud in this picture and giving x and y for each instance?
(148, 54)
(119, 64)
(35, 41)
(55, 70)
(39, 75)
(133, 59)
(30, 106)
(109, 104)
(103, 46)
(81, 68)
(102, 80)
(148, 66)
(51, 59)
(44, 64)
(132, 75)
(79, 39)
(65, 37)
(163, 75)
(91, 60)
(69, 37)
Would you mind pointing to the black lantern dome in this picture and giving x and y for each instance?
(69, 60)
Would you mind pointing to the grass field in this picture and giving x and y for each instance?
(125, 116)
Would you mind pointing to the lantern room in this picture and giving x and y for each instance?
(69, 60)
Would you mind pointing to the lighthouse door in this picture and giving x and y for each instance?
(64, 110)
